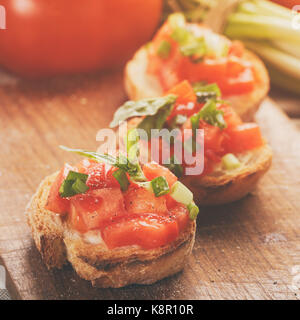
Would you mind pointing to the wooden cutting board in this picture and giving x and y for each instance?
(246, 250)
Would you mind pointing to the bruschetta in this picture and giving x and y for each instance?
(234, 153)
(116, 222)
(186, 51)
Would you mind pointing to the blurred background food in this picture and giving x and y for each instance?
(45, 38)
(270, 30)
(49, 37)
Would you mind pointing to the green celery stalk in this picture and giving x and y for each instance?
(286, 63)
(241, 26)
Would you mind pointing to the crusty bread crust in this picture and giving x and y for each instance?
(139, 84)
(225, 186)
(58, 244)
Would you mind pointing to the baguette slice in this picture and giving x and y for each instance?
(225, 186)
(89, 256)
(139, 84)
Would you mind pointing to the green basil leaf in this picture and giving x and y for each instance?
(157, 120)
(206, 92)
(210, 114)
(144, 107)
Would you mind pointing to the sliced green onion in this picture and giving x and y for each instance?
(160, 186)
(73, 184)
(164, 49)
(230, 161)
(181, 194)
(180, 35)
(121, 177)
(193, 209)
(79, 186)
(73, 175)
(66, 190)
(133, 145)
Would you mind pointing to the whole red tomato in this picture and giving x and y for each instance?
(47, 37)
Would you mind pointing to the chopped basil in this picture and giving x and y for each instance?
(164, 49)
(157, 120)
(206, 92)
(121, 177)
(121, 162)
(73, 184)
(210, 114)
(175, 167)
(145, 107)
(160, 186)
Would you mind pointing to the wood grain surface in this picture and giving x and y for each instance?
(246, 250)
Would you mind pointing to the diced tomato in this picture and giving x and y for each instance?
(244, 137)
(153, 170)
(100, 174)
(55, 202)
(213, 137)
(231, 118)
(184, 91)
(232, 73)
(96, 208)
(186, 100)
(139, 201)
(181, 213)
(149, 232)
(238, 85)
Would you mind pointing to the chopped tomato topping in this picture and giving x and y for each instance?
(149, 232)
(139, 200)
(184, 91)
(55, 202)
(181, 213)
(244, 137)
(100, 174)
(231, 72)
(153, 170)
(96, 208)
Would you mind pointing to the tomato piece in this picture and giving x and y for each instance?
(139, 201)
(213, 137)
(55, 202)
(184, 91)
(153, 170)
(238, 85)
(100, 174)
(231, 118)
(96, 208)
(181, 213)
(244, 137)
(149, 232)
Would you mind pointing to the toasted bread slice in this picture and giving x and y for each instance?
(225, 186)
(90, 257)
(139, 84)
